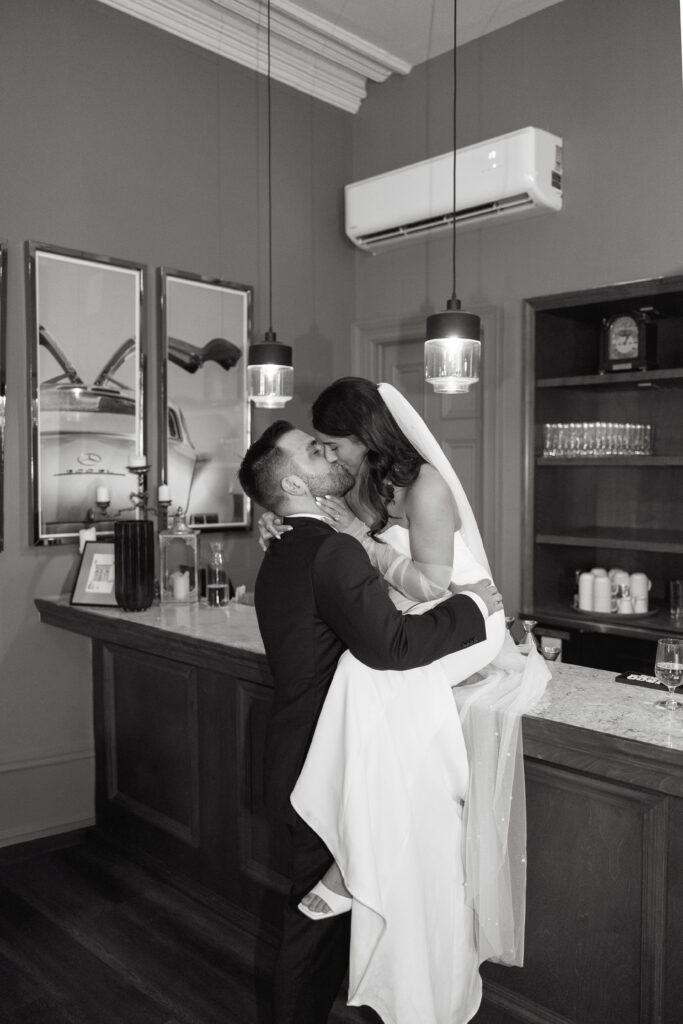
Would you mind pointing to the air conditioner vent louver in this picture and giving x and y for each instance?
(514, 175)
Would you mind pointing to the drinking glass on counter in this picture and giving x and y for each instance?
(669, 670)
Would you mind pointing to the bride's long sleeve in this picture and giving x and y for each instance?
(401, 572)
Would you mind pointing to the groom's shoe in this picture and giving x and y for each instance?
(336, 903)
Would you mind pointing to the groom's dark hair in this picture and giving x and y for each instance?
(264, 466)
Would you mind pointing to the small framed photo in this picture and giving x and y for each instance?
(95, 580)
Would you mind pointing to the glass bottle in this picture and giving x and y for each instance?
(178, 578)
(216, 577)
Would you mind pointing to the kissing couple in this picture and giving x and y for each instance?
(394, 746)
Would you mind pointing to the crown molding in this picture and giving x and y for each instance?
(307, 52)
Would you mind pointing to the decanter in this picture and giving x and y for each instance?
(216, 577)
(528, 641)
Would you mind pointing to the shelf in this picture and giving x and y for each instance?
(641, 378)
(611, 460)
(564, 616)
(670, 541)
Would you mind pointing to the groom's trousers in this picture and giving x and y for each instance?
(314, 955)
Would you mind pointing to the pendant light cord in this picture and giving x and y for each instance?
(455, 94)
(270, 199)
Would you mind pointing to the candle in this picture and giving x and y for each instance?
(84, 536)
(137, 461)
(103, 495)
(164, 493)
(180, 584)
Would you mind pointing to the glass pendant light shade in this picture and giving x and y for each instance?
(270, 377)
(452, 350)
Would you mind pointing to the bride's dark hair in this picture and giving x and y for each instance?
(353, 407)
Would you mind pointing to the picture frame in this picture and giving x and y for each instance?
(205, 327)
(85, 332)
(95, 582)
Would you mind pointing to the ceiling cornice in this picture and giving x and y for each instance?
(307, 52)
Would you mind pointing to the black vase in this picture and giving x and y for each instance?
(134, 564)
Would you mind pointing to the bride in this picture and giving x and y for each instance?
(414, 780)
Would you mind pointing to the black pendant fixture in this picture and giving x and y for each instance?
(453, 338)
(270, 376)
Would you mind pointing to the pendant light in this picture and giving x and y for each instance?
(452, 345)
(270, 376)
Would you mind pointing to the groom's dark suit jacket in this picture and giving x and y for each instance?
(317, 594)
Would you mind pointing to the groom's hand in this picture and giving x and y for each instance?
(484, 589)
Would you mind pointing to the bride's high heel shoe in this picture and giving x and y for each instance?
(336, 903)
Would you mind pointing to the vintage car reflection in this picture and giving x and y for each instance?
(87, 433)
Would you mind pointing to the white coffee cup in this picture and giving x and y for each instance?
(602, 594)
(599, 572)
(640, 605)
(586, 585)
(640, 585)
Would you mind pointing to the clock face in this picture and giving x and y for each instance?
(623, 337)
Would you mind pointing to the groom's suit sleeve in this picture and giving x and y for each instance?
(351, 599)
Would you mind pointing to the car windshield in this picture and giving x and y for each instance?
(72, 398)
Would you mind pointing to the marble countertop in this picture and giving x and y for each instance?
(591, 699)
(585, 698)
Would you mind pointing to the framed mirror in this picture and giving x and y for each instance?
(3, 353)
(204, 430)
(84, 319)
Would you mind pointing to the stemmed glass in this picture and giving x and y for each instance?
(669, 670)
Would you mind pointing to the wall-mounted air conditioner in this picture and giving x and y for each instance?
(513, 175)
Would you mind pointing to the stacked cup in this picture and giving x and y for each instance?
(613, 592)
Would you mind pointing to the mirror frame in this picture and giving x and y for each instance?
(3, 382)
(108, 299)
(203, 344)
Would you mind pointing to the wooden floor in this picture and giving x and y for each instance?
(87, 937)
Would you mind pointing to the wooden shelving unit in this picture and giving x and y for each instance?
(584, 511)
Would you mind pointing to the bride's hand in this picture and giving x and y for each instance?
(336, 511)
(270, 527)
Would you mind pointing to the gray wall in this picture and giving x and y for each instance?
(606, 76)
(119, 139)
(122, 140)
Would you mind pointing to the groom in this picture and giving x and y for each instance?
(316, 595)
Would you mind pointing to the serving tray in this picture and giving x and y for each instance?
(611, 616)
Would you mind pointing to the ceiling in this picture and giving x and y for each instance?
(329, 48)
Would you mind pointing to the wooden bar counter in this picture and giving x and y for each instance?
(181, 703)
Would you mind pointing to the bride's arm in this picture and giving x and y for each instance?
(433, 520)
(427, 576)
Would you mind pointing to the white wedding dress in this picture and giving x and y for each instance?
(430, 842)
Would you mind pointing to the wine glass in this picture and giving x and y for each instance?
(669, 670)
(550, 652)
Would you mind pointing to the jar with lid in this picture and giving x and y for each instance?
(217, 584)
(178, 580)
